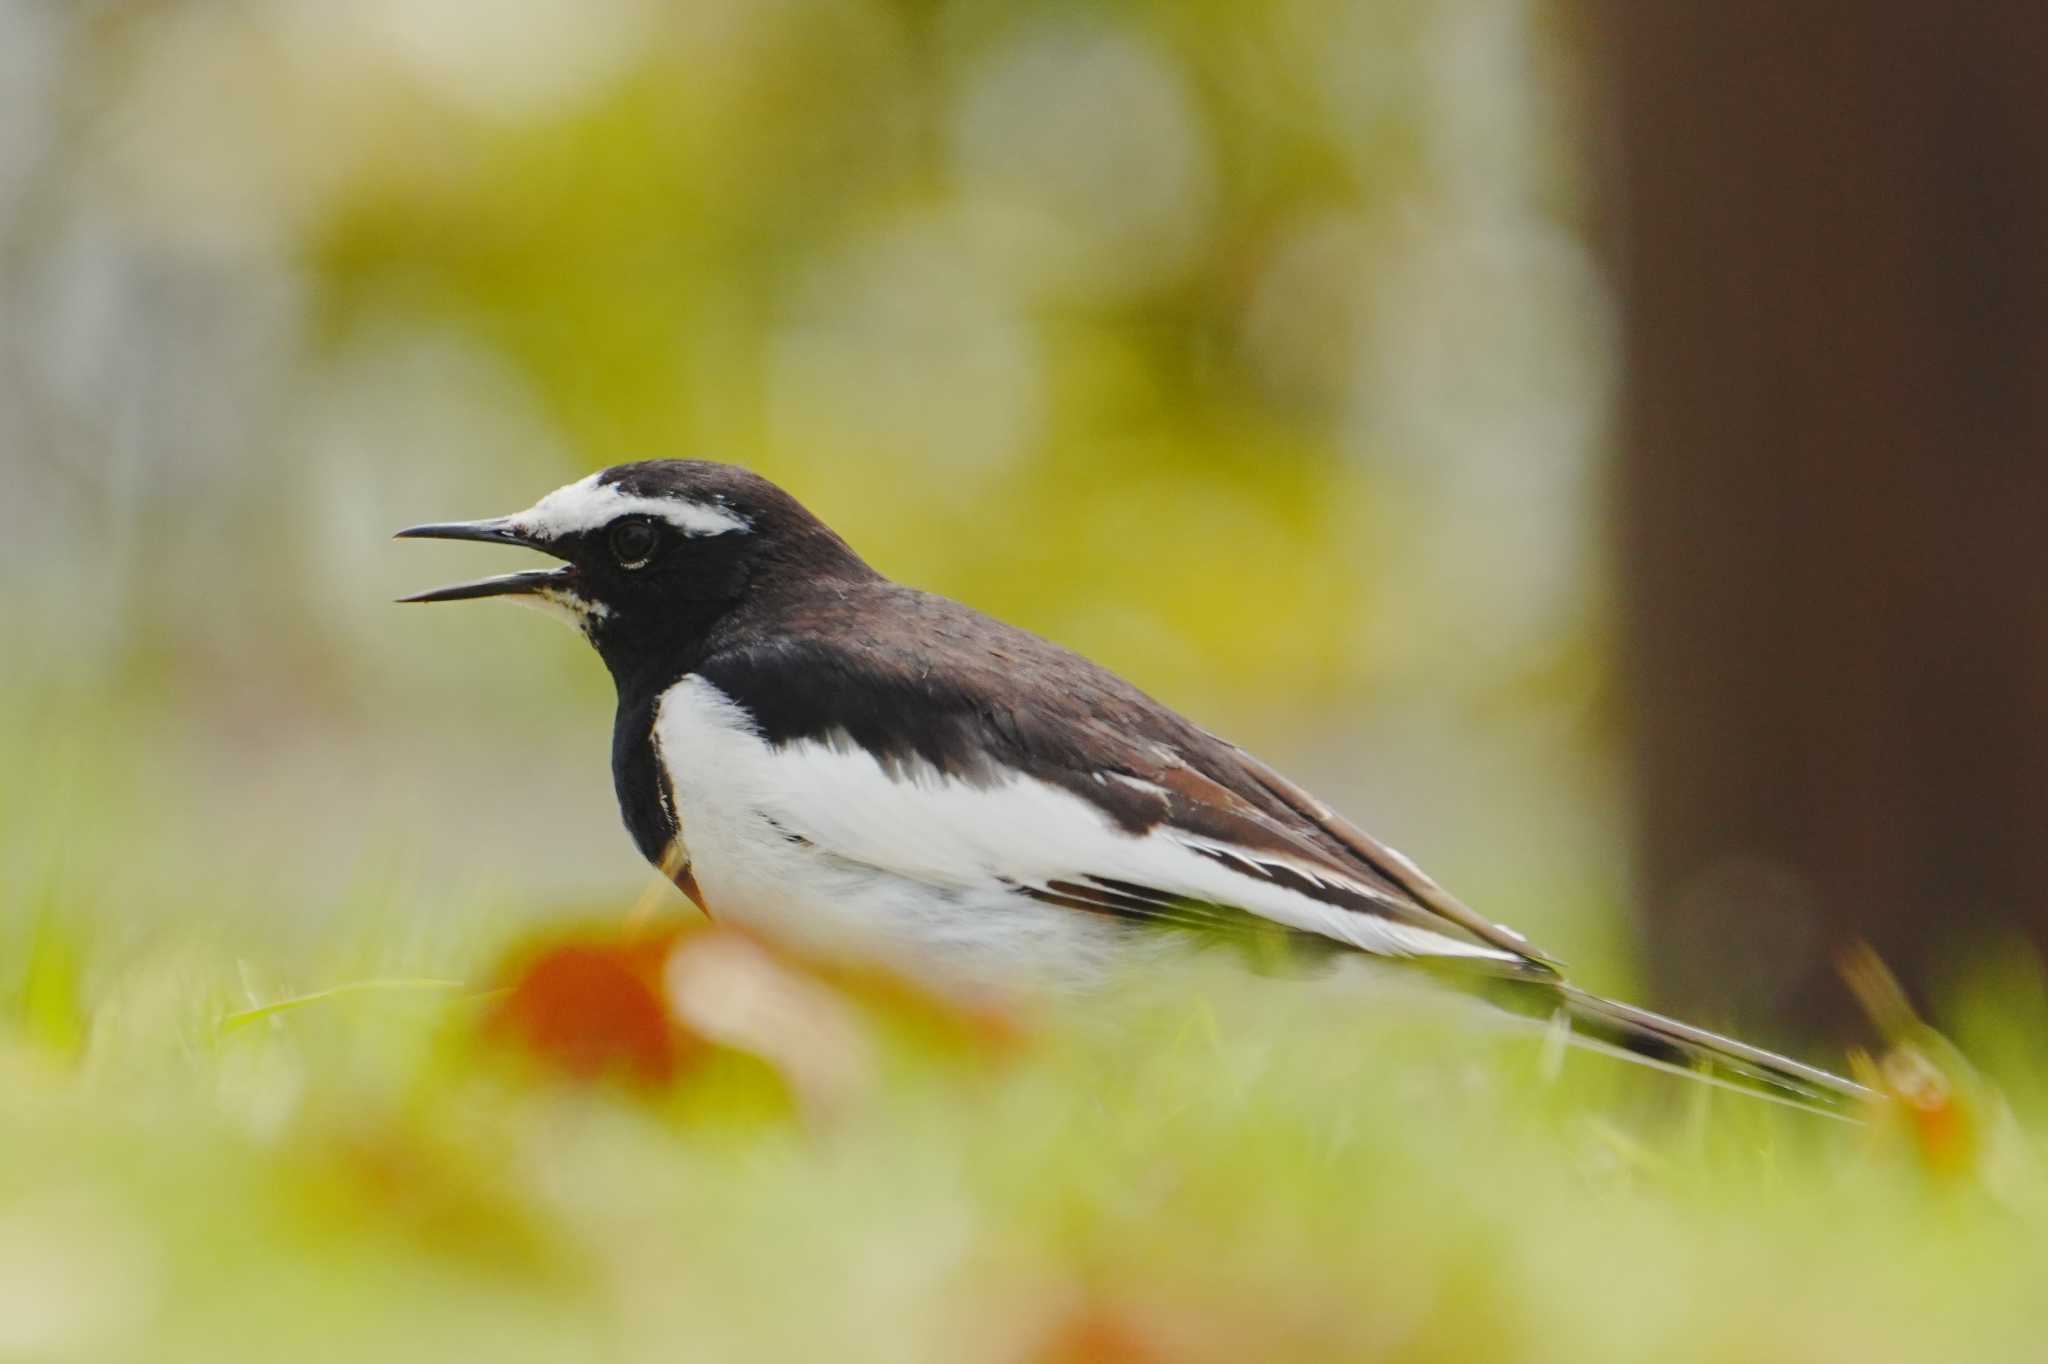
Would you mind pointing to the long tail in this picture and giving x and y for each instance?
(1669, 1042)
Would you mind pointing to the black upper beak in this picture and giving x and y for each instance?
(498, 531)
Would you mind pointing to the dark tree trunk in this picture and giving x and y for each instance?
(1832, 241)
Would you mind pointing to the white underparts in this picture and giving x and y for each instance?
(588, 504)
(821, 841)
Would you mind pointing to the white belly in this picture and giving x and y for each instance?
(766, 831)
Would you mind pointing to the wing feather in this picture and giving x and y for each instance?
(928, 740)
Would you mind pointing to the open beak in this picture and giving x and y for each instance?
(501, 531)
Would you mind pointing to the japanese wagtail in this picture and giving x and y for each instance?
(809, 748)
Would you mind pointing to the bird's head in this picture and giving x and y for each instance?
(653, 555)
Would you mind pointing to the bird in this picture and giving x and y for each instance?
(810, 749)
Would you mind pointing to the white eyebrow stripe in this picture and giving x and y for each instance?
(587, 504)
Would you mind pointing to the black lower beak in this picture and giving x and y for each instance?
(498, 532)
(532, 581)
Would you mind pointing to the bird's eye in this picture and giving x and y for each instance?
(634, 543)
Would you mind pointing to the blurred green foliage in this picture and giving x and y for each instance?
(1231, 342)
(1206, 1167)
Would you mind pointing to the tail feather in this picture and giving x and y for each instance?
(1652, 1036)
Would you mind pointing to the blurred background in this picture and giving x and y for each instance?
(1599, 447)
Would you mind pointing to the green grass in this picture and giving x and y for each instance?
(232, 1132)
(1213, 1167)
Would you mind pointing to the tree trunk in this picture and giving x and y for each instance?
(1832, 243)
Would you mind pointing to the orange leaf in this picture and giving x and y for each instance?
(593, 1009)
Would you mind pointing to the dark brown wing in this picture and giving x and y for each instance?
(1388, 863)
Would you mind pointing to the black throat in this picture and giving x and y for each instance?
(646, 799)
